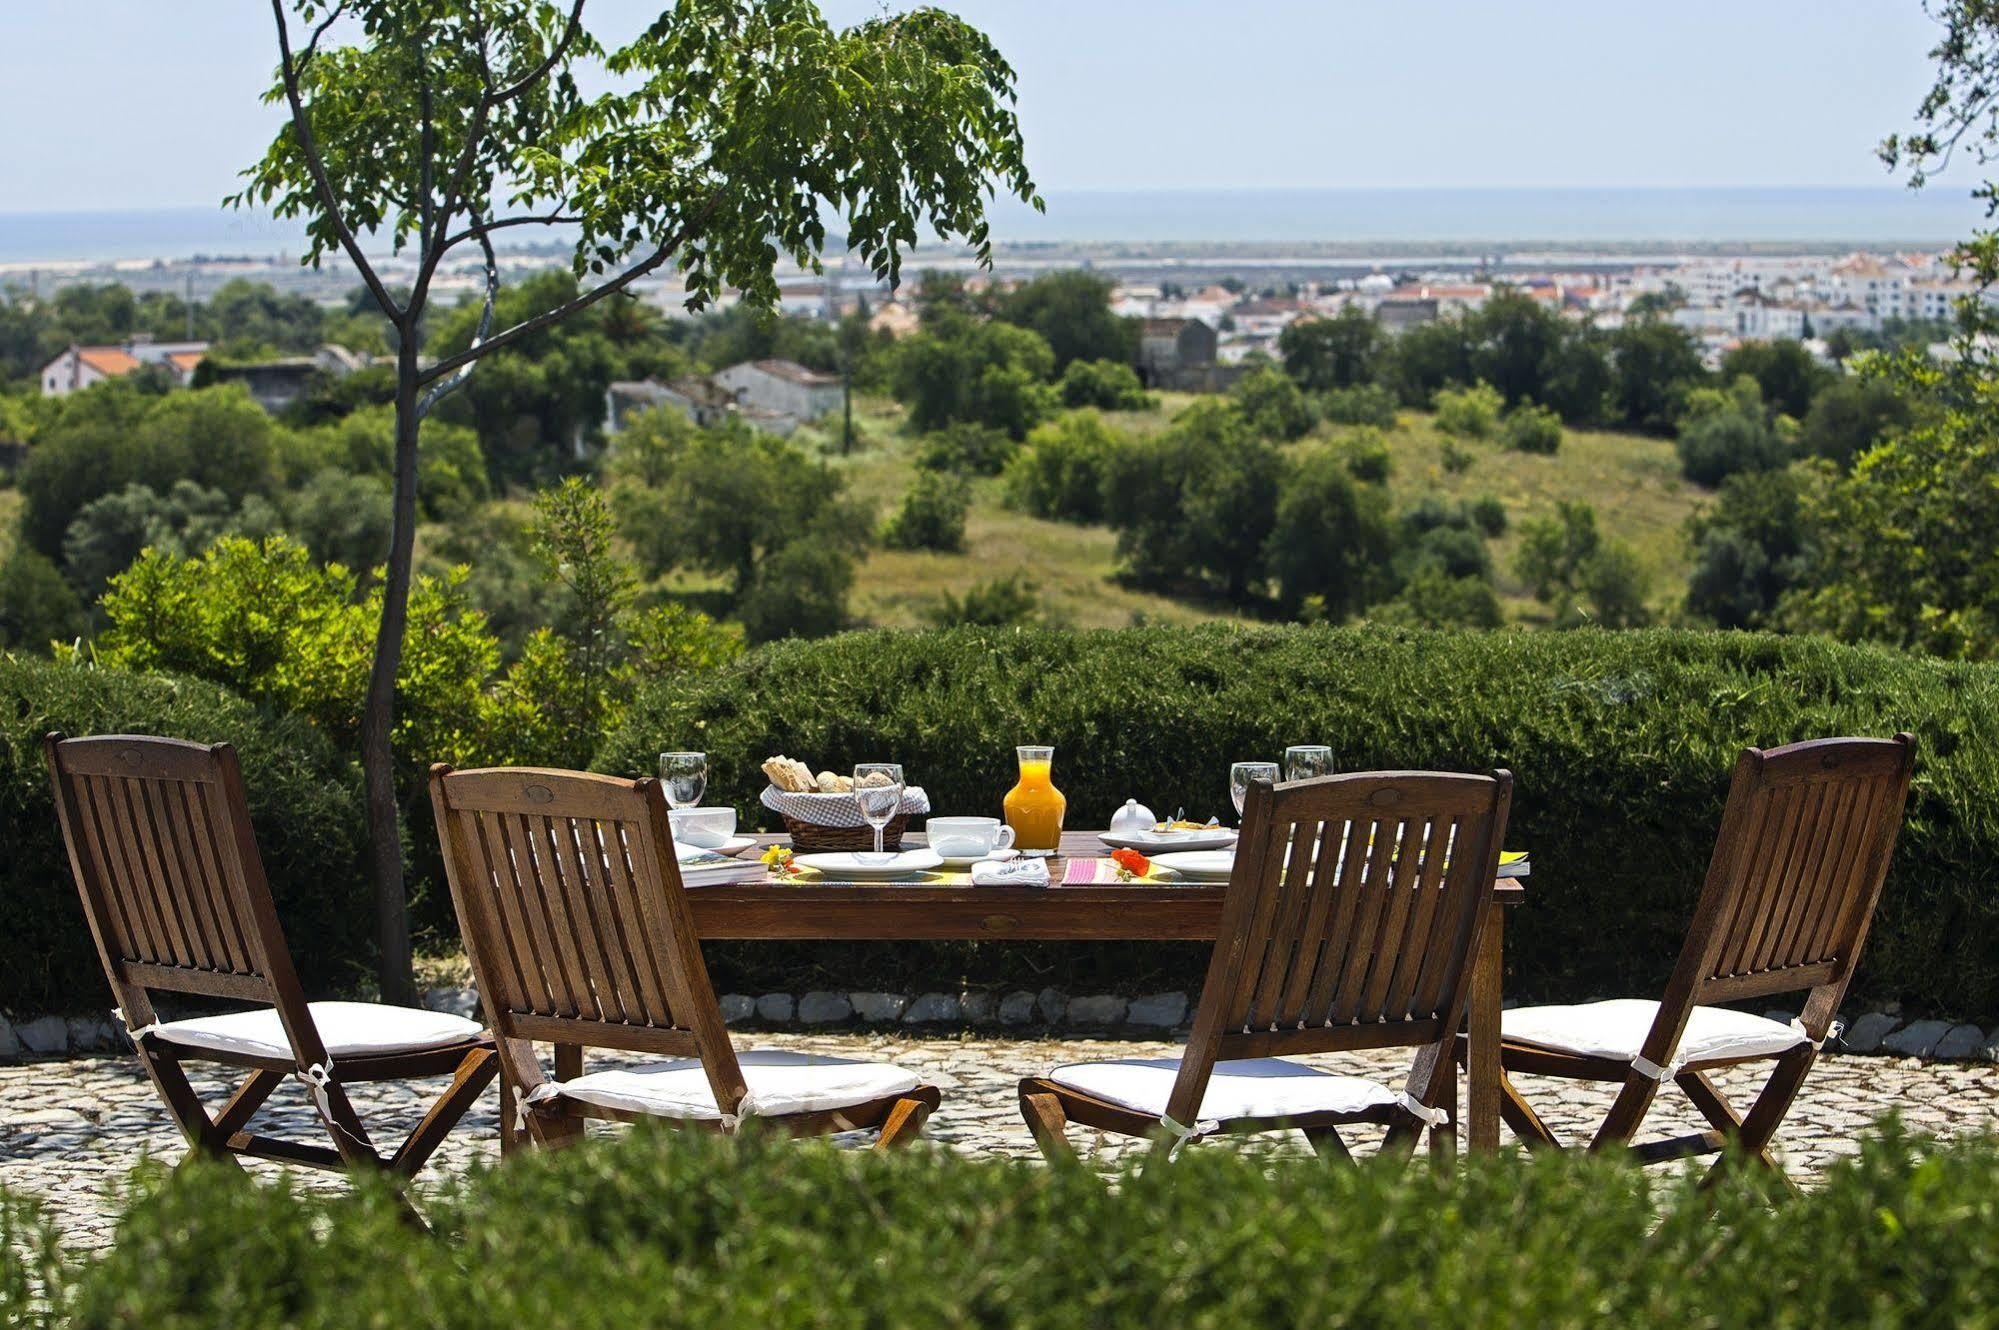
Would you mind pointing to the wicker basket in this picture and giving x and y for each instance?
(812, 838)
(825, 823)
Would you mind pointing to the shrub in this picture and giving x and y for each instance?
(679, 1231)
(1488, 514)
(977, 450)
(932, 516)
(1457, 458)
(1368, 458)
(305, 802)
(1362, 404)
(1532, 429)
(1433, 598)
(1059, 475)
(998, 603)
(1621, 744)
(1726, 443)
(1106, 384)
(1470, 413)
(37, 606)
(1586, 579)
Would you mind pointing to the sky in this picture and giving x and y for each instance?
(146, 105)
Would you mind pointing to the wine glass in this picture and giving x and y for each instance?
(878, 790)
(1240, 777)
(684, 777)
(1304, 761)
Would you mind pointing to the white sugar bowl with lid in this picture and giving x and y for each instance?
(1132, 819)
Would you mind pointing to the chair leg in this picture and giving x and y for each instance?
(1521, 1117)
(249, 1097)
(1048, 1124)
(1326, 1144)
(906, 1117)
(478, 1068)
(1626, 1112)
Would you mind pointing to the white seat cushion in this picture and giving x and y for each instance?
(1247, 1088)
(779, 1083)
(348, 1029)
(1616, 1029)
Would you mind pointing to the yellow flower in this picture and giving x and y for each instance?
(778, 860)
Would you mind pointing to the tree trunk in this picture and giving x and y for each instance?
(392, 931)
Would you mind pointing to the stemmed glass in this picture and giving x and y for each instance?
(684, 777)
(878, 790)
(1304, 761)
(1240, 777)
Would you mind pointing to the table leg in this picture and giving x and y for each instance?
(1482, 1036)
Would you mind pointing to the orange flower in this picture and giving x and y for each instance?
(1130, 864)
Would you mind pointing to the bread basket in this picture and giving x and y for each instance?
(819, 823)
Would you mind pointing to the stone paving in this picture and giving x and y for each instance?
(70, 1129)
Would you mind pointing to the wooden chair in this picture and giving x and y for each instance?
(1349, 922)
(161, 847)
(1797, 870)
(570, 901)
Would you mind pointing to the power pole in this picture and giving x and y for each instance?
(188, 301)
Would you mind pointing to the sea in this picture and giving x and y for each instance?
(1859, 216)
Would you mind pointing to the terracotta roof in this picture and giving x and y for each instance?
(107, 359)
(186, 360)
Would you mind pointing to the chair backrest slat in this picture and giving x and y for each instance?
(1821, 820)
(570, 901)
(1353, 911)
(155, 842)
(166, 864)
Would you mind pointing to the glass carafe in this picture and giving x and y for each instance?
(1034, 807)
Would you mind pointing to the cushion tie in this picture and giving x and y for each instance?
(137, 1032)
(1833, 1031)
(540, 1094)
(1431, 1117)
(1651, 1070)
(746, 1107)
(1182, 1133)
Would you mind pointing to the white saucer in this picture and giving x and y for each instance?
(1158, 842)
(729, 848)
(870, 867)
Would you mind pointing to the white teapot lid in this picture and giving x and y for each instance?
(1134, 816)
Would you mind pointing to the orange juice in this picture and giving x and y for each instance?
(1034, 807)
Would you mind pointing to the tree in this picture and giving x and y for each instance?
(1656, 362)
(1852, 415)
(1532, 429)
(1344, 351)
(1428, 357)
(109, 532)
(1585, 579)
(729, 127)
(37, 605)
(1790, 377)
(1071, 310)
(1062, 472)
(1108, 385)
(1750, 547)
(1331, 540)
(964, 369)
(1717, 442)
(1196, 501)
(1272, 405)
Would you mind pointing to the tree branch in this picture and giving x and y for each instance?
(316, 166)
(439, 392)
(471, 233)
(426, 206)
(555, 54)
(456, 187)
(579, 303)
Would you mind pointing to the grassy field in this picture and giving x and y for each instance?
(1633, 482)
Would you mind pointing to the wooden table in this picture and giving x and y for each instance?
(818, 911)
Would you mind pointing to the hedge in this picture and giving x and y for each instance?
(1621, 745)
(662, 1231)
(305, 802)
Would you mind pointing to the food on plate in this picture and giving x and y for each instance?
(1182, 824)
(1131, 865)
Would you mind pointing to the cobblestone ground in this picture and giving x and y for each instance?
(71, 1129)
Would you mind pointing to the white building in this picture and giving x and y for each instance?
(1748, 314)
(782, 387)
(81, 366)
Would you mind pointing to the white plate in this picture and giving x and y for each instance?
(870, 867)
(1200, 865)
(729, 848)
(1150, 842)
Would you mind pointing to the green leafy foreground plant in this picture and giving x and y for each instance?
(666, 1231)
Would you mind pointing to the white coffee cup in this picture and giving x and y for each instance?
(968, 837)
(703, 828)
